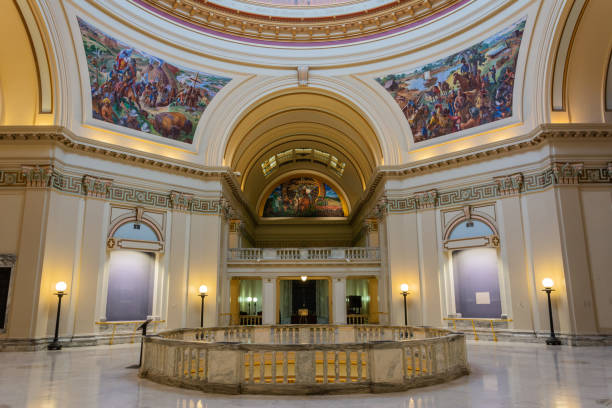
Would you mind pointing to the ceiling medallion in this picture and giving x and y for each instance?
(300, 27)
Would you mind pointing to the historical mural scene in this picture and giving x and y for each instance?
(303, 197)
(470, 88)
(136, 90)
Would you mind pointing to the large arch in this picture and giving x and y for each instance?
(297, 118)
(581, 63)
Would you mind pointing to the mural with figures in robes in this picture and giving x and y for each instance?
(464, 90)
(137, 90)
(303, 197)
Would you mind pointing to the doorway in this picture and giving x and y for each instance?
(304, 302)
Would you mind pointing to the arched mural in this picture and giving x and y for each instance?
(470, 88)
(303, 197)
(133, 89)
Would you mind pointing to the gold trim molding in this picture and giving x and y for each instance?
(214, 17)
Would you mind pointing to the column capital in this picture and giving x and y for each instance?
(380, 209)
(180, 201)
(426, 199)
(509, 185)
(98, 187)
(39, 176)
(567, 173)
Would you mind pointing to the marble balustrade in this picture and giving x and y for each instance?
(348, 254)
(304, 359)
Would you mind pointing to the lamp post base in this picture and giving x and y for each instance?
(54, 346)
(553, 341)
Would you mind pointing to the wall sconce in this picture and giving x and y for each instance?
(60, 287)
(303, 278)
(552, 340)
(404, 291)
(203, 293)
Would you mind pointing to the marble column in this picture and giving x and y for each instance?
(339, 300)
(268, 304)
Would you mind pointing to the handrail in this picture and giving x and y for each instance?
(346, 254)
(302, 359)
(126, 322)
(478, 319)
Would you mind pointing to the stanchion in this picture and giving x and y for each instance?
(142, 327)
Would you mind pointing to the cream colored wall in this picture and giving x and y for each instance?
(58, 236)
(597, 218)
(204, 264)
(11, 203)
(403, 267)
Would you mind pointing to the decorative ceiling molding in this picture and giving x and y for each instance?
(216, 19)
(542, 134)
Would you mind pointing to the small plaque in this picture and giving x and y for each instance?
(483, 298)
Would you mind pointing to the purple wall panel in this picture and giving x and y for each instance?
(130, 285)
(475, 270)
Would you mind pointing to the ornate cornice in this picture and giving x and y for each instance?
(212, 17)
(500, 187)
(542, 134)
(45, 176)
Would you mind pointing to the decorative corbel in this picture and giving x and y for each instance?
(467, 212)
(139, 213)
(302, 74)
(509, 185)
(567, 173)
(37, 176)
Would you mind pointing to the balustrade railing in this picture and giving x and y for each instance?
(357, 254)
(304, 358)
(250, 320)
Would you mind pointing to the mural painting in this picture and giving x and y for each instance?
(303, 197)
(136, 90)
(467, 89)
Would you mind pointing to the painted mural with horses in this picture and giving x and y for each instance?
(469, 88)
(136, 90)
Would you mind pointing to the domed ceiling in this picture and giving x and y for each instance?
(301, 22)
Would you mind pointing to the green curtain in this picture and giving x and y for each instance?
(250, 288)
(322, 290)
(286, 300)
(359, 287)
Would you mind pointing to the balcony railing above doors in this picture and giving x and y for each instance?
(336, 254)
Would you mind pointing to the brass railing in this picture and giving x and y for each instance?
(477, 319)
(134, 332)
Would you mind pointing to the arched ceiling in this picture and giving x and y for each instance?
(303, 119)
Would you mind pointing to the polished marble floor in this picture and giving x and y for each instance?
(503, 375)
